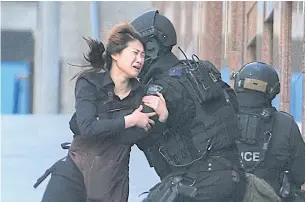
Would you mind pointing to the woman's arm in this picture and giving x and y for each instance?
(86, 112)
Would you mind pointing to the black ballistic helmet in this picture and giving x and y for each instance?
(258, 77)
(157, 32)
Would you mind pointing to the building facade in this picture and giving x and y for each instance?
(233, 33)
(229, 33)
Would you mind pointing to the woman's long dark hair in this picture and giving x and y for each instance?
(118, 40)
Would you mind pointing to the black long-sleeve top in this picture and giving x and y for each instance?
(99, 112)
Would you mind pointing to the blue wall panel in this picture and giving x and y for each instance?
(296, 95)
(11, 92)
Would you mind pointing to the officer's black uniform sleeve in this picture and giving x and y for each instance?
(180, 108)
(86, 112)
(179, 104)
(297, 147)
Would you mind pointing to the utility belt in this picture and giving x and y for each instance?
(175, 186)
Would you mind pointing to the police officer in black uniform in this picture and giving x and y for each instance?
(271, 142)
(196, 157)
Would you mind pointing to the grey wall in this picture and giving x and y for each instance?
(18, 15)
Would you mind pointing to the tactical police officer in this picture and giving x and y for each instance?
(271, 145)
(196, 157)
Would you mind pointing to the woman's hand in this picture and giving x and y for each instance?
(139, 119)
(158, 104)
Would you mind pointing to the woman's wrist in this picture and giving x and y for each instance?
(129, 122)
(163, 118)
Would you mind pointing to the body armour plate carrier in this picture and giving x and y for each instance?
(256, 136)
(215, 123)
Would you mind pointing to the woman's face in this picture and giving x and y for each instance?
(131, 59)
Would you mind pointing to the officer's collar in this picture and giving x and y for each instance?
(253, 100)
(162, 64)
(167, 61)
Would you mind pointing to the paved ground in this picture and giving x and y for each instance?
(31, 144)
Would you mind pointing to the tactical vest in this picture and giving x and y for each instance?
(256, 136)
(214, 125)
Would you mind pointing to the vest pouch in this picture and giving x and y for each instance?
(249, 128)
(174, 151)
(205, 83)
(218, 127)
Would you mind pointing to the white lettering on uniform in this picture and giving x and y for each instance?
(250, 156)
(256, 156)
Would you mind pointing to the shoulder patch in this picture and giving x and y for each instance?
(153, 89)
(175, 71)
(267, 113)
